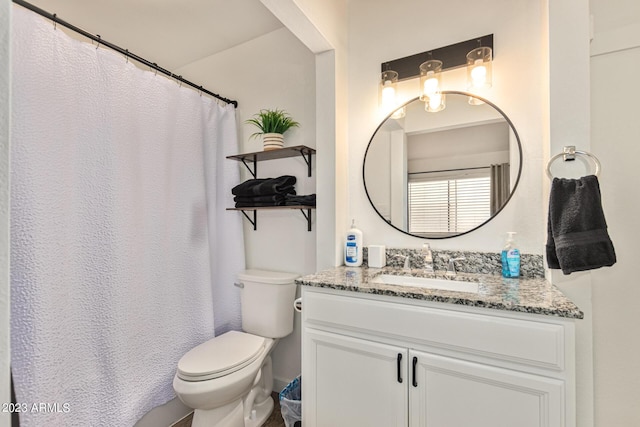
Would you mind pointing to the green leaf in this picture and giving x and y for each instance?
(272, 121)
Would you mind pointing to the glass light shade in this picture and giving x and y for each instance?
(430, 79)
(399, 113)
(388, 88)
(479, 64)
(475, 101)
(435, 103)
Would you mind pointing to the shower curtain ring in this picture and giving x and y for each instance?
(127, 55)
(200, 90)
(55, 22)
(180, 81)
(155, 68)
(98, 45)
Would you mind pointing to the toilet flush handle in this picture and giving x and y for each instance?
(238, 285)
(297, 305)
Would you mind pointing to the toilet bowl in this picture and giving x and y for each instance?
(215, 386)
(228, 380)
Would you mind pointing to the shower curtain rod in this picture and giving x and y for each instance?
(125, 52)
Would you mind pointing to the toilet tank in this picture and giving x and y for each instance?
(267, 302)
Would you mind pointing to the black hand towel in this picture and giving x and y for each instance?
(577, 237)
(264, 186)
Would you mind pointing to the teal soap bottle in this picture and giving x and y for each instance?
(510, 257)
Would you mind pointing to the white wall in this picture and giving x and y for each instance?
(378, 172)
(272, 71)
(330, 18)
(568, 119)
(468, 147)
(378, 33)
(615, 133)
(398, 161)
(321, 25)
(5, 108)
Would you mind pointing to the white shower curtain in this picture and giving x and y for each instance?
(122, 250)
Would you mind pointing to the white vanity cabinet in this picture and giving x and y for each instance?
(372, 360)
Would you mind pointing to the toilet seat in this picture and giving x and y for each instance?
(220, 356)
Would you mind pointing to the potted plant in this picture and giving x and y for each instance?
(272, 124)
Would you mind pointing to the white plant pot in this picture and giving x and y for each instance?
(272, 141)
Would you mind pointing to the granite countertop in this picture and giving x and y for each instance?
(528, 295)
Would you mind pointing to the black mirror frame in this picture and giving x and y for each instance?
(447, 92)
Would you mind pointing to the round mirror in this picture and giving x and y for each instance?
(443, 174)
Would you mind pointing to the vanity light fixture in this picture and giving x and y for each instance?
(431, 85)
(387, 95)
(479, 49)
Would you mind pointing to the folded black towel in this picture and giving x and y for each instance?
(261, 199)
(293, 200)
(253, 204)
(577, 237)
(265, 186)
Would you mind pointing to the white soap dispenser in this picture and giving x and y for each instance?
(353, 247)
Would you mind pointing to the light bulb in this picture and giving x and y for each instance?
(430, 86)
(388, 95)
(479, 74)
(399, 113)
(479, 68)
(435, 101)
(430, 75)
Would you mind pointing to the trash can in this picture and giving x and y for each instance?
(291, 403)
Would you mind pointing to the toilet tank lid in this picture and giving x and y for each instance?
(268, 277)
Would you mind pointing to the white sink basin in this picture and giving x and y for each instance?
(426, 282)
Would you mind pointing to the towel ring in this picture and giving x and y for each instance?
(569, 153)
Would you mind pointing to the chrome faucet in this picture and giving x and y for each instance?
(451, 268)
(428, 258)
(407, 261)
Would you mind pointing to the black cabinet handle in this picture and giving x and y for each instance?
(415, 362)
(399, 367)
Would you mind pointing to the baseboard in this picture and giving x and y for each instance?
(169, 414)
(183, 422)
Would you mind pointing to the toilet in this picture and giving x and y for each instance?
(228, 380)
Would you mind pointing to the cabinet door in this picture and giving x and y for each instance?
(456, 393)
(350, 382)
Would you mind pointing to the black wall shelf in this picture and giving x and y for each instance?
(254, 220)
(281, 153)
